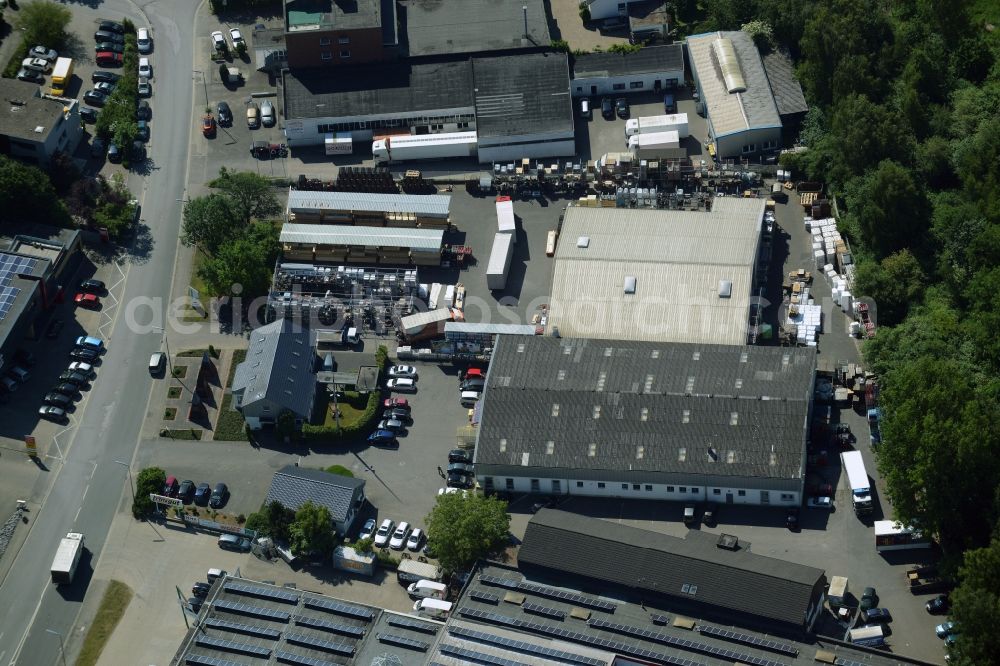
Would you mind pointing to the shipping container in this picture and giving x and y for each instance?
(412, 571)
(505, 217)
(499, 264)
(424, 147)
(347, 559)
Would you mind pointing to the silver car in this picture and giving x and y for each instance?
(267, 113)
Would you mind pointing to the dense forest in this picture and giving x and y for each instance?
(904, 129)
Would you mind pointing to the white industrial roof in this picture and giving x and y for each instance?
(677, 259)
(433, 205)
(339, 234)
(733, 112)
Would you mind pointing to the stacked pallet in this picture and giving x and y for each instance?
(298, 252)
(306, 217)
(325, 253)
(827, 242)
(400, 220)
(426, 257)
(805, 316)
(394, 256)
(426, 222)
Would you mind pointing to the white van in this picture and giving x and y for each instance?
(352, 336)
(427, 589)
(469, 398)
(214, 574)
(435, 609)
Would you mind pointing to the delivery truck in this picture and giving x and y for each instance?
(499, 264)
(674, 122)
(857, 478)
(424, 147)
(67, 558)
(412, 571)
(656, 145)
(62, 74)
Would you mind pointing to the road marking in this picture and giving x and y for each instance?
(77, 516)
(84, 496)
(27, 630)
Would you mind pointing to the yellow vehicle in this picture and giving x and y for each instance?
(62, 74)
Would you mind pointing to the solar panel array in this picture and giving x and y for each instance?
(335, 627)
(292, 658)
(248, 629)
(403, 641)
(747, 639)
(550, 592)
(262, 592)
(683, 643)
(202, 660)
(485, 597)
(536, 609)
(233, 646)
(11, 265)
(481, 657)
(407, 623)
(847, 662)
(253, 611)
(7, 297)
(319, 644)
(659, 619)
(577, 637)
(522, 646)
(340, 609)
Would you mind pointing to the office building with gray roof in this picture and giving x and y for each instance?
(646, 420)
(343, 496)
(34, 126)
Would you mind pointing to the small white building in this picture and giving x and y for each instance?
(608, 9)
(651, 68)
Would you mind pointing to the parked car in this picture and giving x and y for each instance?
(105, 87)
(253, 116)
(869, 598)
(57, 400)
(157, 362)
(112, 26)
(186, 491)
(392, 425)
(145, 69)
(200, 589)
(367, 530)
(383, 438)
(458, 480)
(51, 413)
(82, 367)
(396, 403)
(237, 37)
(820, 503)
(401, 384)
(219, 42)
(474, 384)
(225, 114)
(142, 130)
(711, 515)
(460, 456)
(208, 125)
(220, 494)
(42, 52)
(384, 532)
(202, 493)
(171, 487)
(585, 111)
(85, 300)
(398, 540)
(607, 109)
(416, 537)
(106, 36)
(267, 113)
(88, 115)
(109, 47)
(621, 107)
(36, 64)
(30, 76)
(25, 357)
(95, 98)
(876, 615)
(460, 468)
(195, 604)
(77, 378)
(937, 605)
(89, 355)
(400, 415)
(403, 371)
(143, 41)
(145, 87)
(946, 629)
(53, 329)
(67, 389)
(108, 59)
(234, 543)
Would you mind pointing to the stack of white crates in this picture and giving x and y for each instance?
(808, 320)
(824, 240)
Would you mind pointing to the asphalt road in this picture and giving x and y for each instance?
(87, 485)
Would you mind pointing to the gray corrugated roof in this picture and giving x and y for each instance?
(367, 90)
(640, 559)
(294, 486)
(339, 234)
(733, 112)
(429, 205)
(436, 27)
(278, 367)
(522, 94)
(648, 60)
(646, 407)
(787, 91)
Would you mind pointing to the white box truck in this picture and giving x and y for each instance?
(424, 147)
(427, 589)
(67, 558)
(499, 264)
(857, 477)
(656, 145)
(412, 571)
(677, 122)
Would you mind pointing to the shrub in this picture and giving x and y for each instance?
(387, 560)
(584, 12)
(14, 64)
(340, 470)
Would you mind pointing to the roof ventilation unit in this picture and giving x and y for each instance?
(732, 75)
(728, 542)
(725, 288)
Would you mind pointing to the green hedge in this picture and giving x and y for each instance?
(14, 64)
(230, 426)
(323, 433)
(117, 120)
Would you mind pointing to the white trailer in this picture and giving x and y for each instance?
(424, 147)
(505, 216)
(67, 558)
(412, 571)
(434, 302)
(656, 145)
(674, 122)
(499, 264)
(857, 477)
(338, 144)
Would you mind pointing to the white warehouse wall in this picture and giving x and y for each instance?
(499, 153)
(305, 131)
(586, 87)
(731, 146)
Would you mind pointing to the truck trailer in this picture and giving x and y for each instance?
(674, 122)
(857, 477)
(499, 264)
(424, 147)
(67, 558)
(505, 216)
(656, 145)
(412, 571)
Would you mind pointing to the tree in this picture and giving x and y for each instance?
(276, 520)
(890, 207)
(209, 222)
(285, 426)
(44, 22)
(896, 284)
(465, 528)
(26, 192)
(114, 209)
(148, 481)
(250, 195)
(312, 530)
(976, 607)
(247, 260)
(761, 33)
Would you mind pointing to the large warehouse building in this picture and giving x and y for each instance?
(644, 420)
(657, 275)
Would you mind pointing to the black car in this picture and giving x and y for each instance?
(195, 604)
(53, 329)
(202, 494)
(77, 378)
(104, 77)
(792, 519)
(458, 455)
(88, 115)
(95, 98)
(111, 26)
(621, 107)
(186, 491)
(57, 414)
(200, 589)
(607, 109)
(92, 286)
(142, 130)
(460, 468)
(398, 414)
(476, 384)
(937, 605)
(114, 154)
(57, 399)
(225, 114)
(88, 355)
(71, 390)
(456, 480)
(25, 74)
(109, 47)
(107, 37)
(143, 112)
(219, 495)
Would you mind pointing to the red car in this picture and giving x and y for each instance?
(87, 300)
(398, 403)
(208, 124)
(171, 487)
(108, 59)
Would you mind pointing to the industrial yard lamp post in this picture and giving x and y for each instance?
(128, 469)
(62, 649)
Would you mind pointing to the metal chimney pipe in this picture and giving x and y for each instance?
(524, 10)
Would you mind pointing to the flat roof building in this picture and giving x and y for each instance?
(440, 27)
(648, 69)
(645, 420)
(34, 126)
(367, 208)
(657, 275)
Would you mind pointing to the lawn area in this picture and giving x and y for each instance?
(109, 613)
(349, 413)
(230, 427)
(186, 312)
